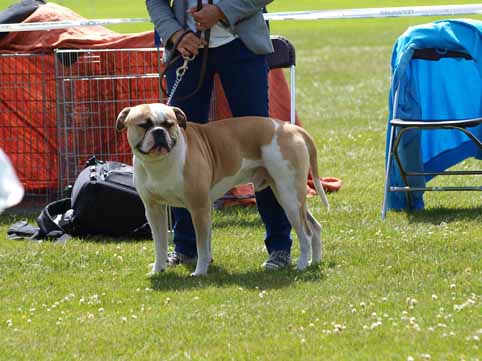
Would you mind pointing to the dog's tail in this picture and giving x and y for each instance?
(310, 144)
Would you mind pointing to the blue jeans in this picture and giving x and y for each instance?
(244, 76)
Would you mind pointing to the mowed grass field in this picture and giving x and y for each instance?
(407, 288)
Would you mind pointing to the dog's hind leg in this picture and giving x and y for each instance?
(201, 219)
(316, 246)
(296, 214)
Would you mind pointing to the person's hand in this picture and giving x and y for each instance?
(207, 17)
(189, 44)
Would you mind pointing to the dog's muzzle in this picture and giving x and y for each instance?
(158, 141)
(160, 137)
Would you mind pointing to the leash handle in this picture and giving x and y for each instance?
(183, 68)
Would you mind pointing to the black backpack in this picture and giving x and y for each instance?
(103, 201)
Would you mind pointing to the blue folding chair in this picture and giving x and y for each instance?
(435, 110)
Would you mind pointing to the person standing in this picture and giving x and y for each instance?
(238, 44)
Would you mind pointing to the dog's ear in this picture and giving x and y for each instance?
(180, 116)
(120, 124)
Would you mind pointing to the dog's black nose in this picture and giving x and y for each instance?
(160, 136)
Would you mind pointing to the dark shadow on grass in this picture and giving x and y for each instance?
(444, 214)
(108, 239)
(259, 279)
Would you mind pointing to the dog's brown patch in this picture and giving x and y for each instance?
(218, 144)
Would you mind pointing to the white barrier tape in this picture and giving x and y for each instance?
(53, 25)
(437, 10)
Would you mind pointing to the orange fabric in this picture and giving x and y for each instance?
(30, 114)
(92, 37)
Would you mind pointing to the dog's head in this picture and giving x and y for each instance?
(152, 129)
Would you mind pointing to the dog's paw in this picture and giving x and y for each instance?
(302, 264)
(154, 274)
(202, 267)
(316, 261)
(155, 270)
(197, 274)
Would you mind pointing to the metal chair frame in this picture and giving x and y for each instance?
(284, 56)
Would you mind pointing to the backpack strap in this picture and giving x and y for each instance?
(55, 219)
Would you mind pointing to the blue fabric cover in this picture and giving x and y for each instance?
(450, 88)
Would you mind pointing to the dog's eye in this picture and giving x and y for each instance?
(167, 125)
(148, 124)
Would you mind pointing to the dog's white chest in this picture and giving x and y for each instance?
(160, 184)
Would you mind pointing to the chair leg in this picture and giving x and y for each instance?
(387, 172)
(403, 175)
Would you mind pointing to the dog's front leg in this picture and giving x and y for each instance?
(157, 217)
(201, 219)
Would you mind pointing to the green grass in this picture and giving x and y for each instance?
(410, 286)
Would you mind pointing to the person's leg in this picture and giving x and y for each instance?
(196, 109)
(244, 76)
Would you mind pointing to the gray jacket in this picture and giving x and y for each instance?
(245, 19)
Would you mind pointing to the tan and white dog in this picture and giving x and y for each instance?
(184, 164)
